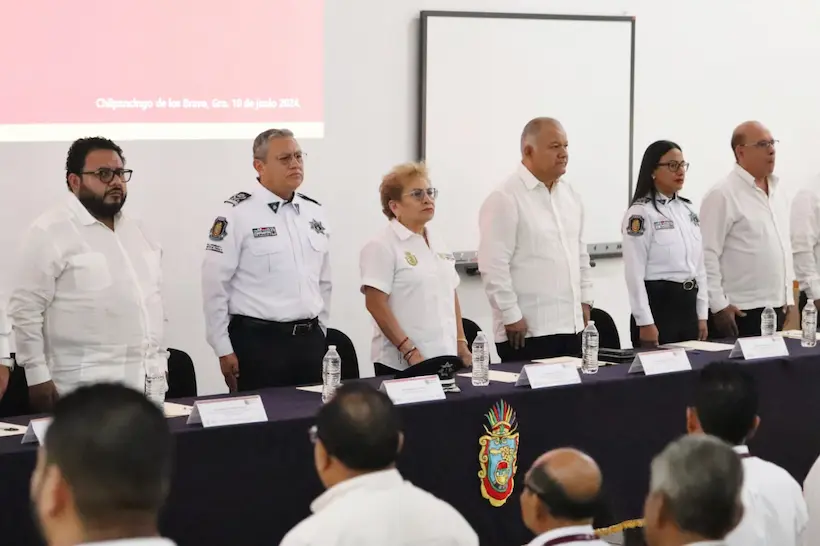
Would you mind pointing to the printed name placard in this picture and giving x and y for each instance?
(228, 411)
(752, 348)
(414, 389)
(658, 362)
(550, 374)
(36, 430)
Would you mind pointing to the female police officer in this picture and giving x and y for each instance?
(663, 254)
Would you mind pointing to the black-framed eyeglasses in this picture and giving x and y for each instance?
(288, 158)
(674, 166)
(106, 175)
(762, 144)
(313, 434)
(418, 194)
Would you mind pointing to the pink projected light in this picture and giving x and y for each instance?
(160, 69)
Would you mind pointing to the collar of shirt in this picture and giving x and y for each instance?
(144, 541)
(275, 202)
(403, 233)
(530, 182)
(661, 199)
(561, 532)
(82, 214)
(708, 543)
(742, 450)
(383, 479)
(749, 179)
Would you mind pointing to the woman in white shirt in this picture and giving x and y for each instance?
(409, 278)
(663, 254)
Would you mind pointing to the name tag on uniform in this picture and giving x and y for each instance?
(664, 224)
(264, 232)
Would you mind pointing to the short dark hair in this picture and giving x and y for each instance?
(738, 139)
(555, 498)
(114, 449)
(79, 150)
(360, 427)
(726, 401)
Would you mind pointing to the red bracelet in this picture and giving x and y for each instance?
(408, 353)
(405, 340)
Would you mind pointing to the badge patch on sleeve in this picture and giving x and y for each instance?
(635, 226)
(219, 229)
(213, 248)
(264, 232)
(664, 224)
(694, 218)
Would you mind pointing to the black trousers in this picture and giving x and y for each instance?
(674, 309)
(748, 326)
(541, 347)
(276, 354)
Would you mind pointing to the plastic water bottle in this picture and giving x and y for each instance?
(481, 361)
(768, 322)
(331, 373)
(809, 325)
(155, 384)
(589, 346)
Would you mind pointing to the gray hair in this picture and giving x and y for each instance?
(700, 478)
(533, 128)
(260, 143)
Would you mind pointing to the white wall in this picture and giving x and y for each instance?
(702, 67)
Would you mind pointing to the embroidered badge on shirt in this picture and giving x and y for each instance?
(274, 207)
(237, 198)
(213, 248)
(664, 224)
(317, 226)
(498, 456)
(219, 229)
(411, 259)
(269, 231)
(694, 218)
(635, 225)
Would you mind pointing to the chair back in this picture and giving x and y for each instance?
(607, 331)
(347, 352)
(15, 400)
(181, 375)
(471, 330)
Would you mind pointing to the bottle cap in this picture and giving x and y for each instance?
(333, 347)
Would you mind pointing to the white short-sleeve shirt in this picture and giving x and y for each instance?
(420, 281)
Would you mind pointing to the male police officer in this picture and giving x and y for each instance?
(266, 275)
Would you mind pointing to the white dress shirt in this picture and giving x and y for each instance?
(746, 243)
(146, 541)
(380, 509)
(774, 510)
(662, 244)
(420, 281)
(811, 492)
(805, 232)
(5, 338)
(87, 302)
(265, 258)
(562, 532)
(532, 256)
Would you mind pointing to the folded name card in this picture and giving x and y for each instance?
(658, 362)
(550, 374)
(176, 410)
(36, 431)
(752, 348)
(228, 411)
(414, 389)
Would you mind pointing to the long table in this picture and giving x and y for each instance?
(248, 485)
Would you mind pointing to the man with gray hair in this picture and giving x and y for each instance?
(694, 493)
(266, 275)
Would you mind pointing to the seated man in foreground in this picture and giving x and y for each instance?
(357, 438)
(104, 470)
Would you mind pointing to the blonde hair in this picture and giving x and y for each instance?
(393, 183)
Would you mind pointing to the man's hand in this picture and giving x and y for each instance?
(41, 398)
(703, 330)
(464, 354)
(725, 320)
(415, 357)
(648, 335)
(5, 374)
(230, 370)
(516, 333)
(586, 309)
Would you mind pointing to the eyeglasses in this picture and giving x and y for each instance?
(418, 194)
(106, 175)
(286, 159)
(762, 144)
(313, 434)
(675, 165)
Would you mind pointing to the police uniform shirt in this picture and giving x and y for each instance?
(563, 535)
(265, 258)
(805, 235)
(662, 245)
(421, 281)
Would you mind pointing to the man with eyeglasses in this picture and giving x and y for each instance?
(266, 281)
(561, 496)
(87, 304)
(531, 253)
(744, 221)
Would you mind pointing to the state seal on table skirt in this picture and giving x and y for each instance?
(498, 456)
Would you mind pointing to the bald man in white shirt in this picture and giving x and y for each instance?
(531, 254)
(744, 221)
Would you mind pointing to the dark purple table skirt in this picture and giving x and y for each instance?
(248, 485)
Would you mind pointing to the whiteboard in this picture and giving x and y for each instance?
(485, 75)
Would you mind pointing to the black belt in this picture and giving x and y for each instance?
(295, 328)
(691, 284)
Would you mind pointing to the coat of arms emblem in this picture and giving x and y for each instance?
(498, 456)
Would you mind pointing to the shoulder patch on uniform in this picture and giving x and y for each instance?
(219, 230)
(642, 201)
(237, 198)
(306, 198)
(694, 218)
(635, 226)
(685, 200)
